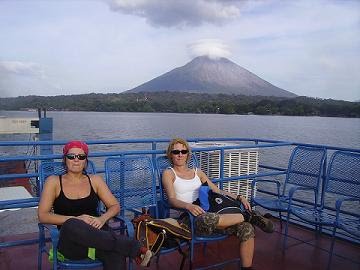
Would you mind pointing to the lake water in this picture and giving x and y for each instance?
(344, 132)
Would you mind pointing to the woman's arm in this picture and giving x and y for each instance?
(105, 195)
(48, 195)
(168, 178)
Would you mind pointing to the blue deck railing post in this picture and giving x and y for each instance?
(46, 134)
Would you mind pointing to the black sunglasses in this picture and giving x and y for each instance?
(79, 156)
(176, 152)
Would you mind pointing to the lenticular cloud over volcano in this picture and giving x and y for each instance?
(213, 48)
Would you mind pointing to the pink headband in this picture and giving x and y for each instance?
(75, 144)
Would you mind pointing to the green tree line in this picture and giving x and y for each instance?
(182, 102)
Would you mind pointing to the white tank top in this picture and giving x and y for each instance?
(187, 190)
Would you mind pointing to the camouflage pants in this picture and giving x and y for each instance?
(206, 223)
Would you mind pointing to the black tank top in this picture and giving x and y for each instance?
(76, 207)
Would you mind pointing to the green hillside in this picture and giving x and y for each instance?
(176, 102)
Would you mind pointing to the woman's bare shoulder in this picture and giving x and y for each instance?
(199, 171)
(168, 173)
(97, 180)
(52, 179)
(203, 177)
(52, 182)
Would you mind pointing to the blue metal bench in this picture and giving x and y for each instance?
(304, 172)
(342, 185)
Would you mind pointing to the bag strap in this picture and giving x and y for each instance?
(163, 229)
(170, 228)
(158, 242)
(143, 233)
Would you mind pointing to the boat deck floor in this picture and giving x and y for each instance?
(309, 253)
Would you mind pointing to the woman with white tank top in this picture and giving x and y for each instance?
(182, 186)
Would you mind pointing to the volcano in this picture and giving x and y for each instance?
(212, 76)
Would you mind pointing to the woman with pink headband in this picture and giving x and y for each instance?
(70, 201)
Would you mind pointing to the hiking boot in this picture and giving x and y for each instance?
(263, 223)
(144, 258)
(268, 215)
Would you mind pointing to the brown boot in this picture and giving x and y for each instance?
(263, 223)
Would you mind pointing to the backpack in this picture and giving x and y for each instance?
(214, 202)
(157, 233)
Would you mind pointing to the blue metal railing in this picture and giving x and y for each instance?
(152, 147)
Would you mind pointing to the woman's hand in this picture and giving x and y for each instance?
(194, 209)
(96, 222)
(244, 202)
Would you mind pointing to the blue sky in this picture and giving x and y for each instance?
(53, 47)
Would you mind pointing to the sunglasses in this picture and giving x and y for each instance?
(78, 156)
(176, 152)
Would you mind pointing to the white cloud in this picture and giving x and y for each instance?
(178, 13)
(21, 68)
(25, 78)
(214, 48)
